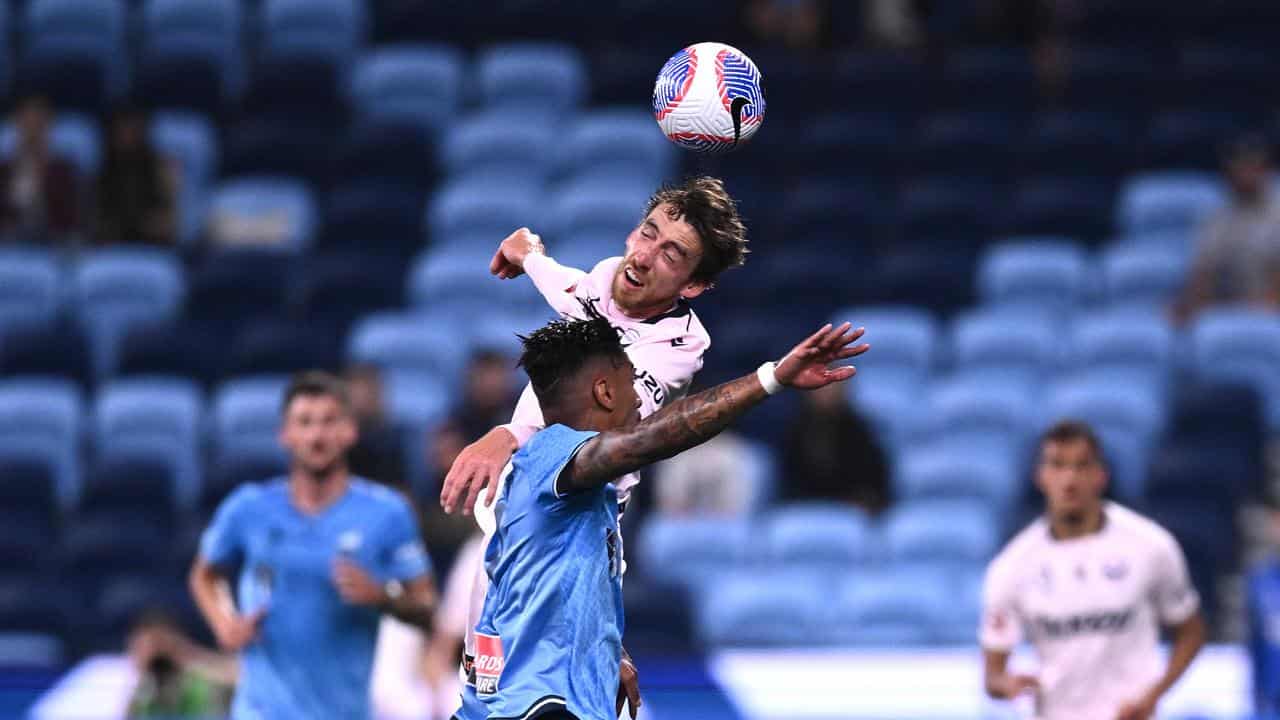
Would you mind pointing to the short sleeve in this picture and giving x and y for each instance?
(555, 448)
(1174, 596)
(404, 554)
(1001, 628)
(223, 541)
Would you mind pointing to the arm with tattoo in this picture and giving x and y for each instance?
(696, 419)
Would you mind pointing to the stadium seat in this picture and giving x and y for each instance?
(896, 607)
(379, 218)
(29, 605)
(129, 481)
(57, 350)
(591, 205)
(262, 212)
(987, 78)
(226, 291)
(387, 152)
(820, 212)
(1243, 346)
(819, 535)
(74, 137)
(892, 403)
(1143, 275)
(307, 48)
(1216, 477)
(415, 84)
(191, 54)
(402, 341)
(458, 277)
(941, 531)
(770, 609)
(905, 338)
(879, 80)
(103, 545)
(247, 409)
(1107, 399)
(283, 347)
(25, 543)
(616, 143)
(169, 348)
(959, 209)
(839, 144)
(952, 469)
(963, 142)
(1168, 201)
(115, 290)
(74, 51)
(1011, 339)
(977, 403)
(531, 78)
(1123, 339)
(1079, 142)
(482, 207)
(1101, 77)
(1188, 139)
(334, 291)
(58, 455)
(1227, 418)
(1042, 273)
(1067, 205)
(237, 462)
(159, 415)
(417, 400)
(191, 142)
(30, 288)
(692, 551)
(489, 144)
(43, 416)
(1226, 75)
(28, 492)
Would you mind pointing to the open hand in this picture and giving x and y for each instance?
(477, 467)
(805, 367)
(237, 631)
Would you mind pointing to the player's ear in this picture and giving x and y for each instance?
(603, 394)
(694, 289)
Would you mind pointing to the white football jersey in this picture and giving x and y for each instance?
(1092, 608)
(666, 350)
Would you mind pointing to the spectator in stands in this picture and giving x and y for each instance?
(135, 194)
(489, 394)
(177, 678)
(832, 454)
(710, 479)
(1238, 251)
(796, 24)
(1263, 603)
(378, 454)
(39, 194)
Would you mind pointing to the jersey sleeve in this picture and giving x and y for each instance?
(527, 418)
(557, 446)
(223, 541)
(403, 554)
(556, 282)
(1001, 628)
(1174, 596)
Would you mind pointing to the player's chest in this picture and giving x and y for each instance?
(1094, 589)
(307, 547)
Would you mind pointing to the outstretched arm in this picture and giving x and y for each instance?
(696, 419)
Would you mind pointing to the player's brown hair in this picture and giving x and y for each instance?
(704, 203)
(313, 383)
(1071, 430)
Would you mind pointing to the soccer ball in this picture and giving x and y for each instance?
(709, 97)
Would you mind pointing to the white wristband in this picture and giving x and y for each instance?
(768, 380)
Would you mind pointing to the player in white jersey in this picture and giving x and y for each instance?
(1090, 584)
(689, 235)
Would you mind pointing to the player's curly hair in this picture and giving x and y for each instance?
(704, 203)
(559, 349)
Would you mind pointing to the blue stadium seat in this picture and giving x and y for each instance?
(164, 415)
(1227, 74)
(905, 338)
(191, 142)
(297, 143)
(231, 287)
(941, 531)
(837, 144)
(169, 348)
(1241, 346)
(29, 605)
(247, 409)
(532, 78)
(592, 205)
(262, 212)
(988, 78)
(456, 276)
(892, 403)
(75, 51)
(106, 545)
(403, 341)
(963, 142)
(1168, 201)
(74, 136)
(42, 418)
(25, 543)
(333, 291)
(57, 350)
(374, 217)
(416, 400)
(617, 142)
(388, 152)
(136, 482)
(1066, 205)
(1188, 139)
(1123, 339)
(769, 609)
(1224, 418)
(307, 48)
(28, 491)
(30, 288)
(693, 551)
(415, 84)
(283, 347)
(488, 143)
(958, 470)
(821, 212)
(1012, 340)
(1109, 77)
(963, 611)
(482, 207)
(879, 80)
(116, 290)
(191, 55)
(1143, 275)
(977, 403)
(818, 535)
(1063, 142)
(896, 607)
(585, 250)
(961, 210)
(236, 462)
(1109, 399)
(1042, 273)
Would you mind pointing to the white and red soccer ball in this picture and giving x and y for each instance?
(709, 98)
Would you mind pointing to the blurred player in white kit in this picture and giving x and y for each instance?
(689, 234)
(1089, 584)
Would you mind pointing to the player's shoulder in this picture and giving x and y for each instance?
(1139, 529)
(1025, 544)
(679, 329)
(377, 496)
(605, 269)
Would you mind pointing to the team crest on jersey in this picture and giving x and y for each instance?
(488, 663)
(1115, 571)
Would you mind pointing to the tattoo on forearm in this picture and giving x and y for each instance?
(673, 429)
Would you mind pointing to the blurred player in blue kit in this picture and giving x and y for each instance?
(549, 640)
(322, 555)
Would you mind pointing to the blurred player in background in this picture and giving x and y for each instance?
(689, 235)
(1090, 584)
(549, 641)
(321, 556)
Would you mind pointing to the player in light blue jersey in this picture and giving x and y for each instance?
(321, 555)
(549, 640)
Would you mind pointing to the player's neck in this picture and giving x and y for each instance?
(1063, 528)
(312, 493)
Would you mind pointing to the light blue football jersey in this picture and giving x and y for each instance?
(550, 635)
(314, 653)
